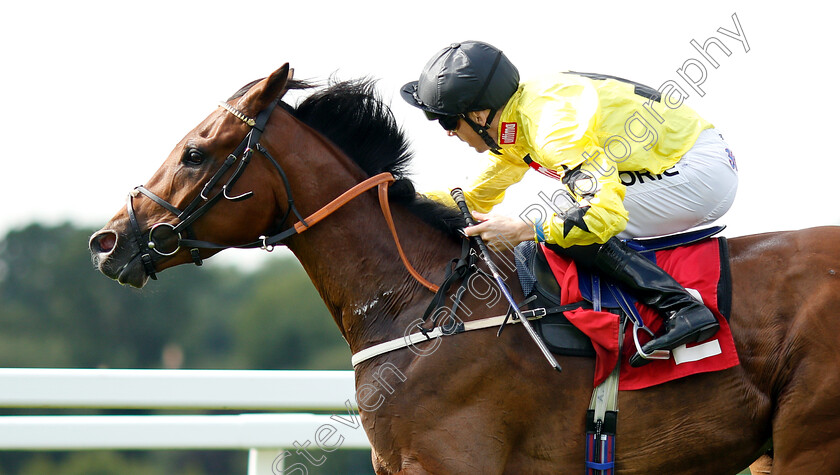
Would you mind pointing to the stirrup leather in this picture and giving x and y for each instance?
(639, 324)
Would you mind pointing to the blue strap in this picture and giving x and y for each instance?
(600, 466)
(596, 292)
(538, 231)
(626, 303)
(674, 240)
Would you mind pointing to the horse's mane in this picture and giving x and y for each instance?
(353, 116)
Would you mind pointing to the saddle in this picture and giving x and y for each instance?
(543, 291)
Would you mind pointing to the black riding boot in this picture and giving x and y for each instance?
(686, 319)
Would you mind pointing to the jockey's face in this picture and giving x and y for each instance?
(470, 136)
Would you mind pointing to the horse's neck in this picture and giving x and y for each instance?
(352, 260)
(351, 256)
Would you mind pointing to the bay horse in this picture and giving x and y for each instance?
(479, 403)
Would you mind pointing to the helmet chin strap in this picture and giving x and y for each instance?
(481, 130)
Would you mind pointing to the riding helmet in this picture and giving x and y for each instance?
(463, 77)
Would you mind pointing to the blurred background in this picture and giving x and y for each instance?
(56, 312)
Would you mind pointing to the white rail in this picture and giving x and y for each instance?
(266, 435)
(175, 389)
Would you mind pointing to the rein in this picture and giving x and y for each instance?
(162, 234)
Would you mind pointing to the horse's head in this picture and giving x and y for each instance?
(201, 190)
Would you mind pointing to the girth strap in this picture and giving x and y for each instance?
(602, 422)
(411, 339)
(457, 327)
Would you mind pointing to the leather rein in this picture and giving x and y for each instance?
(162, 234)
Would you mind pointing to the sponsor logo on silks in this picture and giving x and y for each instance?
(638, 177)
(508, 133)
(732, 160)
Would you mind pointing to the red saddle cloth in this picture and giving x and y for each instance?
(696, 266)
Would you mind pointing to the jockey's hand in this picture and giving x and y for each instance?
(500, 232)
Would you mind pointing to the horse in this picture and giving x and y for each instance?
(480, 402)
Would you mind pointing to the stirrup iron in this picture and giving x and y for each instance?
(653, 355)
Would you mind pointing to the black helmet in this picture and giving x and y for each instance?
(461, 78)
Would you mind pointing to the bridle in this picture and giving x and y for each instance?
(166, 239)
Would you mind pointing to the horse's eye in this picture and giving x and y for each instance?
(193, 157)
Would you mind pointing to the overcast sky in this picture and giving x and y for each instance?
(96, 94)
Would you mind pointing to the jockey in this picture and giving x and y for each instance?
(634, 162)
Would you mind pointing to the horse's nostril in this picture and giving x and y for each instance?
(103, 242)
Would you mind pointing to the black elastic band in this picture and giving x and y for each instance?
(137, 236)
(482, 131)
(486, 84)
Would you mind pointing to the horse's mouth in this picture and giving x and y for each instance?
(132, 273)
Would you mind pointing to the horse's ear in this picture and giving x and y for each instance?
(266, 91)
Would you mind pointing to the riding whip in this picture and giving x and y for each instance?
(458, 196)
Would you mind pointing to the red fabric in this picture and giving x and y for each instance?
(696, 267)
(601, 327)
